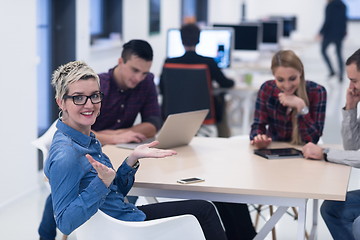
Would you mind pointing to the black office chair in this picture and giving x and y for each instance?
(187, 87)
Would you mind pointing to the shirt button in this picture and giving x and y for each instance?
(118, 121)
(99, 156)
(122, 105)
(96, 142)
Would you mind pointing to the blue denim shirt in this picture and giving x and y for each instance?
(77, 191)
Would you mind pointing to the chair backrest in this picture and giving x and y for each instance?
(43, 142)
(102, 226)
(187, 87)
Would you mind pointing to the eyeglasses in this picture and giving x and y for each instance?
(82, 99)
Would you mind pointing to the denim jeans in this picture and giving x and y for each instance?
(340, 216)
(47, 228)
(356, 228)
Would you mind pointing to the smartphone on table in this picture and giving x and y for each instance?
(190, 180)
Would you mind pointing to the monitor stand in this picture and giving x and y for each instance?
(269, 47)
(245, 55)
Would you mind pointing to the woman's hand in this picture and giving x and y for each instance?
(291, 101)
(148, 151)
(105, 173)
(261, 141)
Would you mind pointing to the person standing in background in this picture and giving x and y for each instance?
(333, 30)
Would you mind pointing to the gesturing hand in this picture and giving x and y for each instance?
(105, 173)
(148, 151)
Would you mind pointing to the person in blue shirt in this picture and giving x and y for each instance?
(81, 176)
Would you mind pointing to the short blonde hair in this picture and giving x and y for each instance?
(69, 73)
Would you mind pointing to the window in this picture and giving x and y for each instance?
(154, 15)
(105, 19)
(194, 11)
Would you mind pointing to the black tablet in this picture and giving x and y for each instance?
(276, 153)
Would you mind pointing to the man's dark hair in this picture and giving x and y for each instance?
(354, 58)
(190, 34)
(139, 48)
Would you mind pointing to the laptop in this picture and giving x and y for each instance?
(177, 130)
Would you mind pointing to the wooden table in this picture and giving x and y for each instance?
(233, 173)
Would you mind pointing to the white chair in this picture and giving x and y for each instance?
(43, 143)
(103, 226)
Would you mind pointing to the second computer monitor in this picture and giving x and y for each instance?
(289, 24)
(247, 35)
(272, 31)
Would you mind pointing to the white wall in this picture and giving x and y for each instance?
(18, 174)
(224, 11)
(136, 15)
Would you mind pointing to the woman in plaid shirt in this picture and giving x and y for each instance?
(288, 108)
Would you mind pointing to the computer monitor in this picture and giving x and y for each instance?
(289, 24)
(353, 9)
(216, 43)
(272, 30)
(247, 35)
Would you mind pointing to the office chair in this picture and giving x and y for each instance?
(103, 226)
(188, 87)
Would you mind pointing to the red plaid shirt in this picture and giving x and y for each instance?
(270, 116)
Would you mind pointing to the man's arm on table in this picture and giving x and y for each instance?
(350, 135)
(136, 133)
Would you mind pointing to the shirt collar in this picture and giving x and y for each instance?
(114, 84)
(75, 135)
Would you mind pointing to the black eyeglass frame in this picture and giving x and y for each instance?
(87, 97)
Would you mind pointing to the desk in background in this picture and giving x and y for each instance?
(241, 98)
(233, 173)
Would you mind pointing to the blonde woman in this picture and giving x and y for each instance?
(81, 176)
(288, 108)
